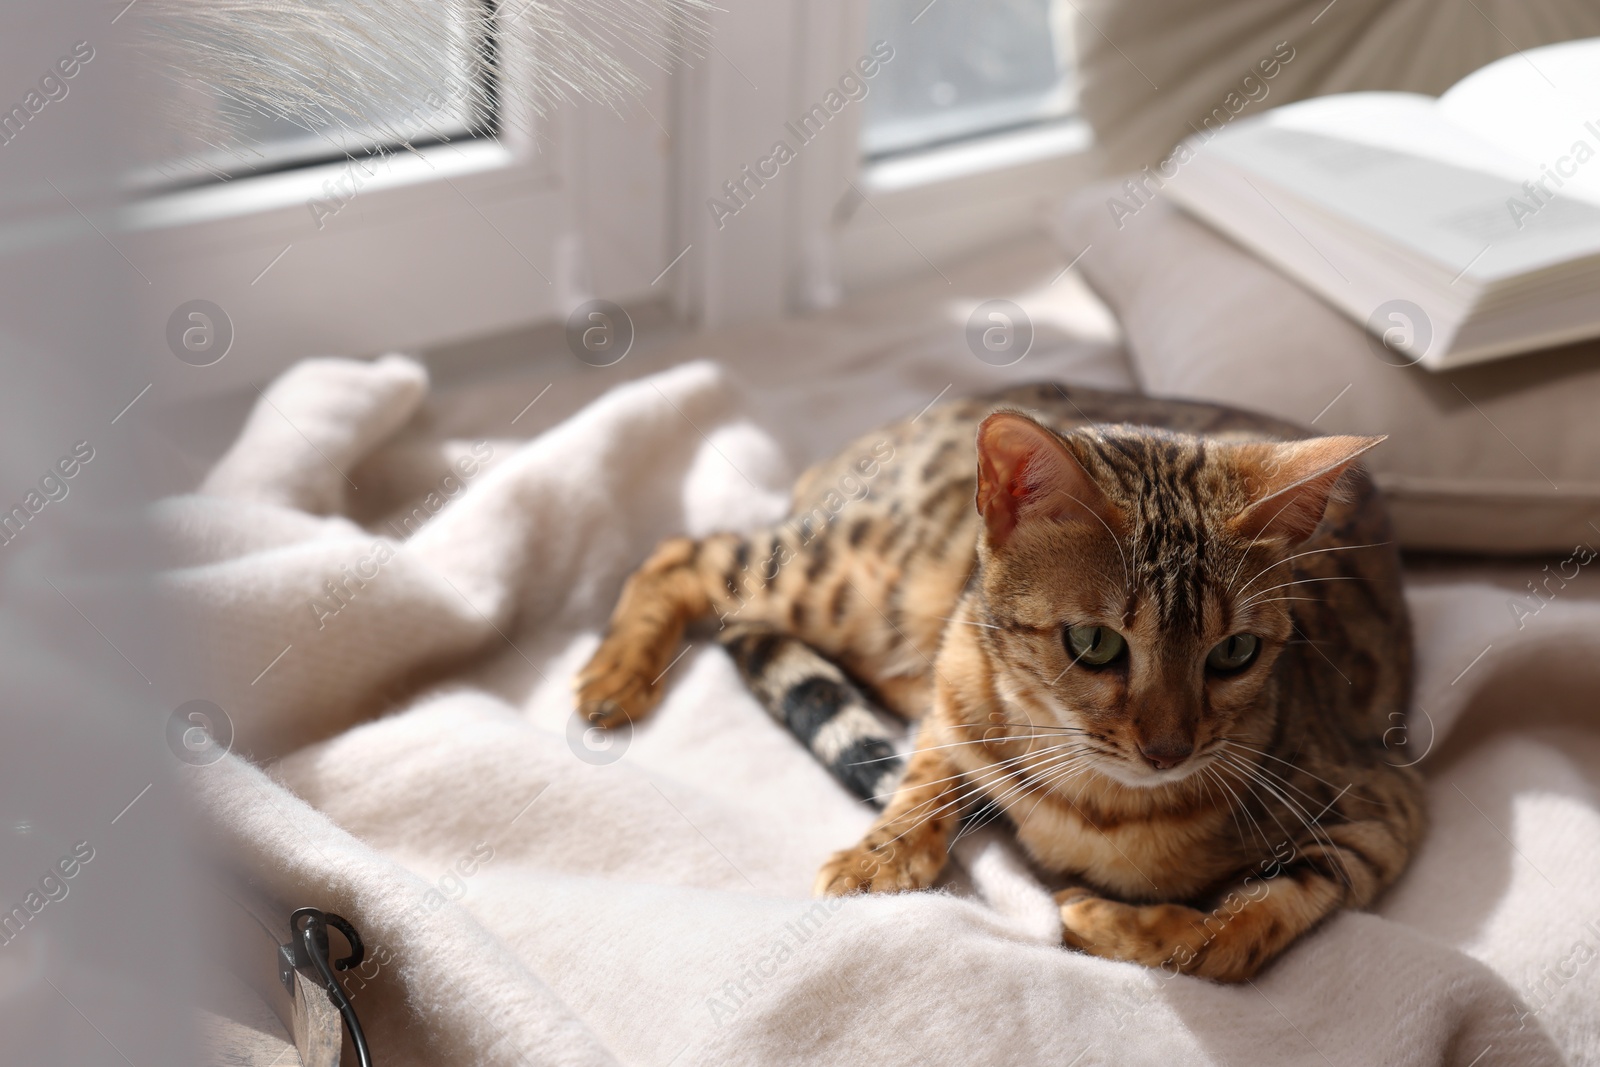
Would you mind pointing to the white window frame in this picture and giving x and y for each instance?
(584, 203)
(437, 244)
(835, 225)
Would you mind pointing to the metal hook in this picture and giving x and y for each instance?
(308, 948)
(358, 951)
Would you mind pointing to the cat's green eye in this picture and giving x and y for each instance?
(1094, 646)
(1233, 653)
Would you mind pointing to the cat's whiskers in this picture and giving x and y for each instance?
(984, 781)
(979, 782)
(1277, 783)
(1297, 555)
(1252, 598)
(902, 755)
(1056, 779)
(1035, 729)
(1238, 776)
(1057, 791)
(970, 622)
(1043, 783)
(1155, 794)
(1073, 662)
(1087, 765)
(1211, 797)
(1024, 725)
(1208, 775)
(1237, 743)
(1311, 797)
(941, 802)
(1237, 807)
(1001, 804)
(958, 776)
(959, 744)
(1001, 764)
(1054, 783)
(1053, 786)
(1283, 783)
(1318, 833)
(1006, 763)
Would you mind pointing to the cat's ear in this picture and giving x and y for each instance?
(1026, 472)
(1290, 483)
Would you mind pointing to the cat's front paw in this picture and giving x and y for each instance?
(1157, 935)
(619, 683)
(890, 866)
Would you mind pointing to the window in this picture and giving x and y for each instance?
(969, 136)
(965, 68)
(554, 198)
(427, 78)
(508, 165)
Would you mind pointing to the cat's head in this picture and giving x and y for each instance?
(1133, 581)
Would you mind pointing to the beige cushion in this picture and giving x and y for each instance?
(1200, 54)
(1502, 457)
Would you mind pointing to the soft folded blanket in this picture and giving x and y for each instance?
(394, 593)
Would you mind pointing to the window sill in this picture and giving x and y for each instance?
(978, 156)
(938, 206)
(303, 186)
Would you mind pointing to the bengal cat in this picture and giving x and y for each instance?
(1166, 644)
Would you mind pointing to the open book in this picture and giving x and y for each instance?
(1456, 230)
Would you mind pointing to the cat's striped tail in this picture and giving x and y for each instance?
(806, 692)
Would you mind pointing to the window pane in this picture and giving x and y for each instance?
(966, 67)
(274, 108)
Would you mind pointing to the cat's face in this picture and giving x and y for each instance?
(1133, 584)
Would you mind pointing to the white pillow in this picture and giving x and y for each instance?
(1503, 457)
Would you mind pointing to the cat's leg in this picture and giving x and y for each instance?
(680, 582)
(1248, 927)
(734, 577)
(1255, 920)
(909, 844)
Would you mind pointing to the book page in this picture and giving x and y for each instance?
(1542, 106)
(1391, 164)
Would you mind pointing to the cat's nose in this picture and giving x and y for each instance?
(1166, 753)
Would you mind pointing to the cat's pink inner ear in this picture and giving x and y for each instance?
(1290, 483)
(1025, 472)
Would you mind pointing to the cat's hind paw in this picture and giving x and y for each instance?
(620, 683)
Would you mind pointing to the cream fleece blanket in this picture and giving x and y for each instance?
(393, 593)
